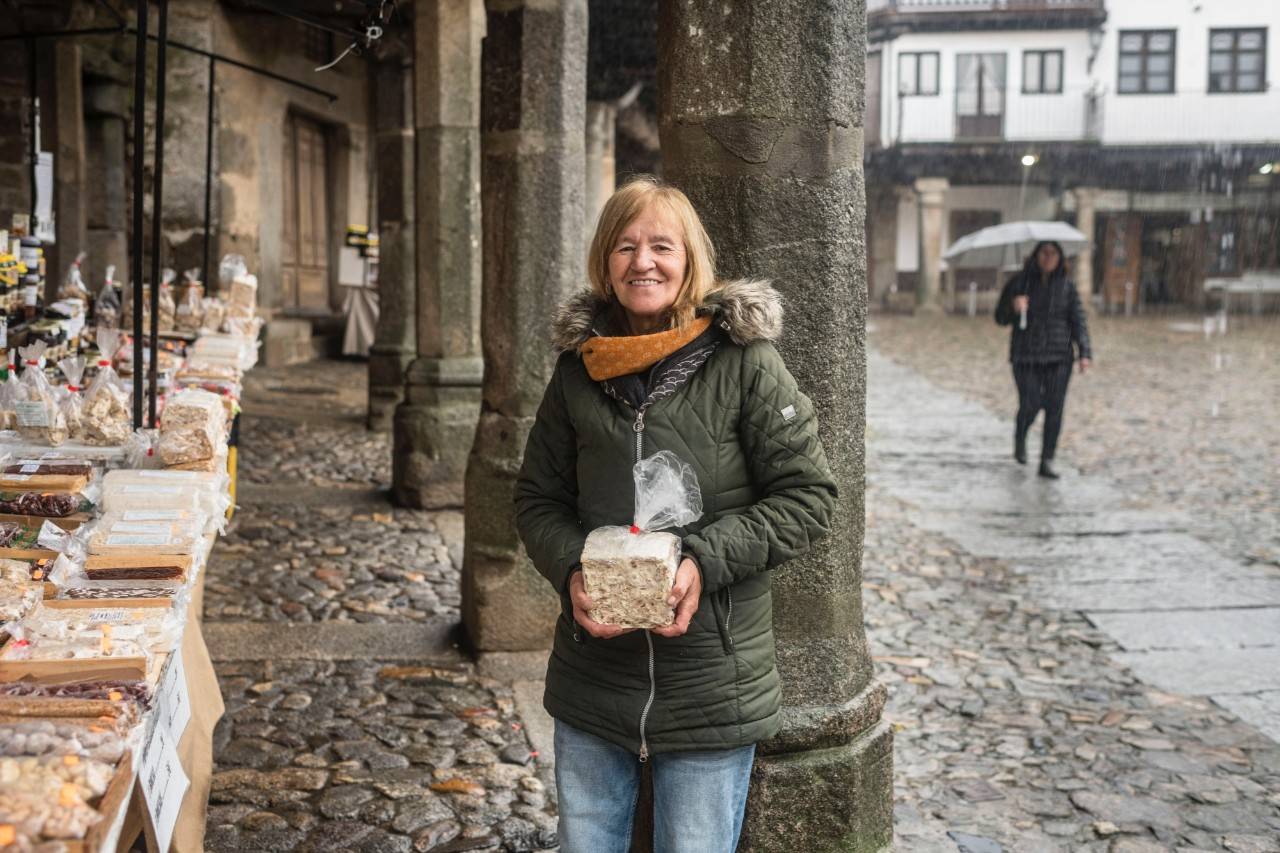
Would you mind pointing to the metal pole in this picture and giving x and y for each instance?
(139, 147)
(33, 115)
(208, 173)
(157, 208)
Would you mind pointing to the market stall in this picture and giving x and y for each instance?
(108, 698)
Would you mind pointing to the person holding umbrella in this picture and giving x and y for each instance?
(1050, 331)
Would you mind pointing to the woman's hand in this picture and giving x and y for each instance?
(1021, 303)
(1085, 364)
(685, 593)
(582, 604)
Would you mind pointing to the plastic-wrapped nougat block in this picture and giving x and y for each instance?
(629, 576)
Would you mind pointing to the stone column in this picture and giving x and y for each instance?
(107, 196)
(1082, 267)
(532, 135)
(69, 173)
(601, 180)
(395, 343)
(931, 193)
(434, 425)
(762, 126)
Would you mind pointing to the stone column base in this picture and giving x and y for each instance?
(825, 800)
(506, 604)
(387, 367)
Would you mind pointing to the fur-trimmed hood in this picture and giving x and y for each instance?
(747, 309)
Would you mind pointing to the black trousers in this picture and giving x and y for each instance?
(1041, 386)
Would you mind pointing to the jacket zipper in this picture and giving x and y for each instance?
(729, 617)
(638, 426)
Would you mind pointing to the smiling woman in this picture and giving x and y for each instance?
(659, 355)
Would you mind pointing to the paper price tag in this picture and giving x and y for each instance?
(138, 539)
(173, 702)
(163, 780)
(30, 468)
(151, 515)
(136, 489)
(170, 475)
(141, 527)
(32, 413)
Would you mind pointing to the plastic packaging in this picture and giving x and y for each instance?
(105, 414)
(116, 533)
(19, 595)
(72, 405)
(189, 315)
(73, 286)
(167, 306)
(140, 449)
(229, 268)
(39, 417)
(629, 572)
(106, 308)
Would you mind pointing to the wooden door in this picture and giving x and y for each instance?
(305, 255)
(1122, 259)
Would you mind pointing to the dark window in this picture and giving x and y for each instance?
(317, 45)
(1146, 61)
(918, 73)
(1237, 60)
(1042, 72)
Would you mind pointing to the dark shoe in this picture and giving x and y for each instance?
(1020, 450)
(1046, 470)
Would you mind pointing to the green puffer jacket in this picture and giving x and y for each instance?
(727, 406)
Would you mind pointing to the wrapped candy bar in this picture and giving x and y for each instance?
(19, 594)
(44, 504)
(157, 490)
(53, 737)
(629, 572)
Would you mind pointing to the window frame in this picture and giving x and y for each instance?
(916, 55)
(1234, 53)
(1040, 57)
(1144, 74)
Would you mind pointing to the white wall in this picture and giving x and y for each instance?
(931, 118)
(1191, 114)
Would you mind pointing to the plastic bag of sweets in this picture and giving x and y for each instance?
(629, 571)
(106, 308)
(168, 307)
(39, 417)
(105, 417)
(73, 286)
(73, 404)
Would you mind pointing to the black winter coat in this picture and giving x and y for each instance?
(1056, 326)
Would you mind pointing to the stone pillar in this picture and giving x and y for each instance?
(69, 174)
(601, 180)
(107, 196)
(1082, 267)
(395, 343)
(532, 135)
(434, 425)
(882, 248)
(767, 141)
(931, 193)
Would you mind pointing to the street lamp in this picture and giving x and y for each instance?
(1267, 168)
(1028, 160)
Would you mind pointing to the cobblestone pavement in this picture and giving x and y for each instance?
(341, 750)
(1174, 419)
(993, 600)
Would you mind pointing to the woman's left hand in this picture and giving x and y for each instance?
(685, 593)
(1084, 365)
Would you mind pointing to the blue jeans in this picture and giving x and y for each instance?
(698, 797)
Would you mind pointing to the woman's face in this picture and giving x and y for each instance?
(646, 268)
(1048, 258)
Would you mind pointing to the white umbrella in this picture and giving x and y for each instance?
(1005, 244)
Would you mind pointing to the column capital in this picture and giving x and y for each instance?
(932, 190)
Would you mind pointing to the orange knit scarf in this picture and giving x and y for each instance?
(606, 358)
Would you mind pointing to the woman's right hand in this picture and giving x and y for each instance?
(582, 604)
(1021, 303)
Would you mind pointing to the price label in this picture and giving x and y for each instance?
(138, 539)
(173, 702)
(32, 413)
(163, 780)
(151, 515)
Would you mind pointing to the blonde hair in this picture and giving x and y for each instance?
(623, 207)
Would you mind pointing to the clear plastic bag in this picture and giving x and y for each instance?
(105, 415)
(73, 404)
(667, 492)
(213, 315)
(106, 309)
(629, 572)
(190, 312)
(39, 417)
(140, 449)
(73, 286)
(229, 268)
(168, 308)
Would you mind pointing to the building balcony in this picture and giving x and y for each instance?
(887, 18)
(960, 118)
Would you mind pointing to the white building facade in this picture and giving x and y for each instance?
(1154, 125)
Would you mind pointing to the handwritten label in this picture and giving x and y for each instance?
(151, 515)
(141, 527)
(30, 468)
(151, 490)
(163, 780)
(32, 413)
(138, 539)
(173, 702)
